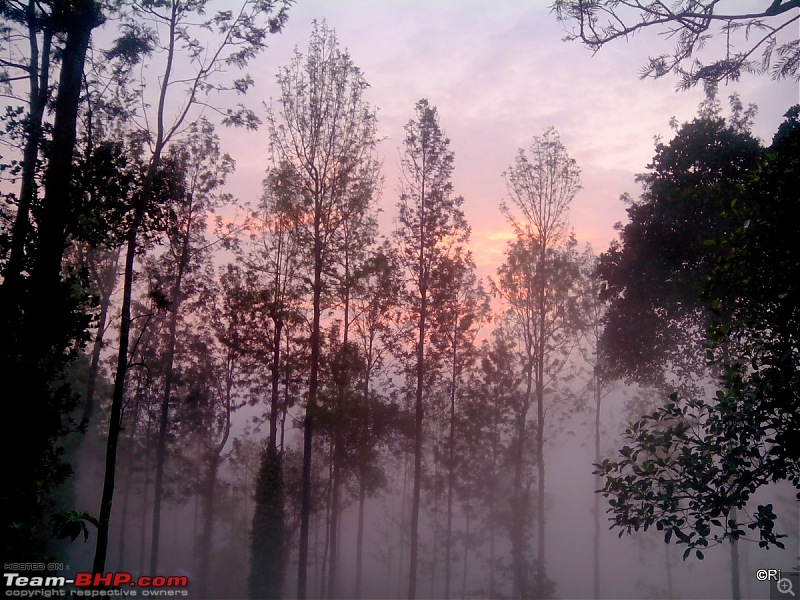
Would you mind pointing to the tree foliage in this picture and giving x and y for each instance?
(654, 275)
(756, 42)
(691, 467)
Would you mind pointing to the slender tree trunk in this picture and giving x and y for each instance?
(402, 529)
(362, 495)
(450, 466)
(115, 423)
(418, 404)
(518, 508)
(161, 447)
(598, 483)
(207, 535)
(668, 561)
(541, 576)
(311, 406)
(467, 545)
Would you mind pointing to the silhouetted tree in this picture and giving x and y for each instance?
(322, 136)
(430, 224)
(698, 460)
(238, 37)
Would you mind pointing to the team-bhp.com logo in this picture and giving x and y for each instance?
(95, 585)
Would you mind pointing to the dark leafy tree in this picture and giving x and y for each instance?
(654, 276)
(757, 41)
(698, 460)
(42, 315)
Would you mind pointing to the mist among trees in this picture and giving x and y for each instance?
(292, 396)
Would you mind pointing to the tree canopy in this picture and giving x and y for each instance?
(691, 467)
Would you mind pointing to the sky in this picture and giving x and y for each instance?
(499, 74)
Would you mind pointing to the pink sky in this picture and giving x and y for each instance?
(499, 74)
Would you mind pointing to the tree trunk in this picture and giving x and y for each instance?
(161, 447)
(598, 483)
(450, 471)
(540, 517)
(736, 589)
(38, 78)
(362, 494)
(418, 405)
(311, 406)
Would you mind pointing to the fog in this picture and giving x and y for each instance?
(632, 566)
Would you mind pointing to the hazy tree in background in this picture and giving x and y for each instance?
(272, 262)
(759, 41)
(322, 136)
(430, 224)
(376, 331)
(205, 170)
(459, 307)
(593, 310)
(491, 425)
(541, 184)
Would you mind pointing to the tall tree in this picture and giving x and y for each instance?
(322, 135)
(430, 224)
(691, 23)
(42, 316)
(541, 184)
(237, 38)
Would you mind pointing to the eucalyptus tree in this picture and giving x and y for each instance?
(430, 224)
(538, 280)
(322, 135)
